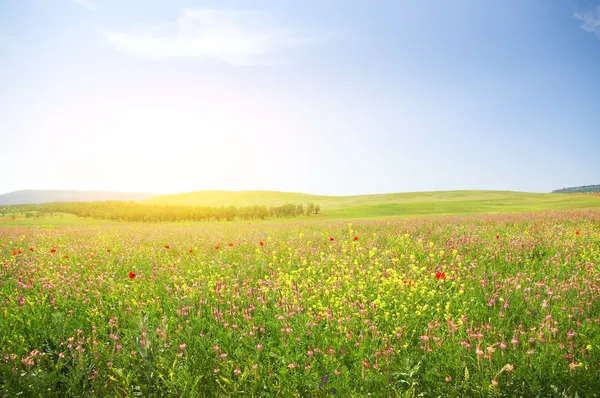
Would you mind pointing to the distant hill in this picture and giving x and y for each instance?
(42, 196)
(581, 189)
(392, 204)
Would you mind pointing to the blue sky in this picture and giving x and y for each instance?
(313, 96)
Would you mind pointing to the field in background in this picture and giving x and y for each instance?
(395, 205)
(384, 206)
(491, 305)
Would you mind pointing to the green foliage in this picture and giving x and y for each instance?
(136, 212)
(581, 189)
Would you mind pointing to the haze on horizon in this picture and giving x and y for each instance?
(312, 96)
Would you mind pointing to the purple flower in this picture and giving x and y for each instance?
(325, 378)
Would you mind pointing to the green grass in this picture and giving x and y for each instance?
(484, 306)
(50, 222)
(395, 204)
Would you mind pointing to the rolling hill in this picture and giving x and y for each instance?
(394, 204)
(45, 196)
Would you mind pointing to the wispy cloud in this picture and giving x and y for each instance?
(89, 4)
(591, 21)
(236, 37)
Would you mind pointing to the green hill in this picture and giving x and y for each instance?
(395, 204)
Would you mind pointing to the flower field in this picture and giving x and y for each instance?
(494, 305)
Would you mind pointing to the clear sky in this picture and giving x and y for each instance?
(326, 97)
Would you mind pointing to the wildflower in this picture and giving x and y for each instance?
(108, 251)
(331, 239)
(131, 275)
(577, 232)
(448, 379)
(573, 365)
(237, 372)
(31, 249)
(216, 247)
(190, 251)
(497, 236)
(65, 257)
(215, 371)
(53, 250)
(440, 275)
(230, 244)
(259, 347)
(261, 243)
(356, 238)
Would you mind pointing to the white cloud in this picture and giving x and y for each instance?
(236, 37)
(591, 21)
(89, 4)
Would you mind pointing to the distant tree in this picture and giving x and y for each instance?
(317, 208)
(310, 208)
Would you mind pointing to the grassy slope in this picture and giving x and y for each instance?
(397, 204)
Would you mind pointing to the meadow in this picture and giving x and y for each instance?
(489, 305)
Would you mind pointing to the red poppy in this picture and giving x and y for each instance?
(15, 252)
(91, 255)
(191, 251)
(31, 249)
(216, 247)
(440, 275)
(108, 250)
(167, 246)
(65, 257)
(409, 282)
(497, 236)
(230, 244)
(331, 239)
(131, 275)
(577, 233)
(356, 238)
(261, 243)
(53, 250)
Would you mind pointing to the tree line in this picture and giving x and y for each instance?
(582, 189)
(132, 211)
